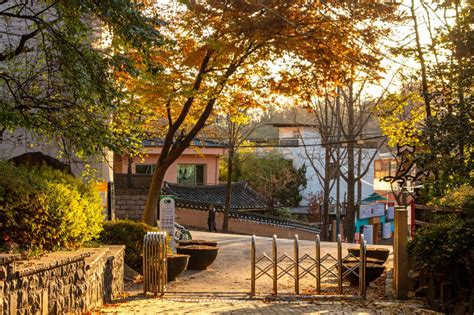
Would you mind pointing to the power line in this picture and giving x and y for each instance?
(260, 145)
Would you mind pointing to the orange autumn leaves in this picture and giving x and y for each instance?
(244, 38)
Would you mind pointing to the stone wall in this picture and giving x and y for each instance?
(61, 282)
(138, 181)
(129, 203)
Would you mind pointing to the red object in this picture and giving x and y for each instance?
(356, 238)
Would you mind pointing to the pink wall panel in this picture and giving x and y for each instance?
(210, 160)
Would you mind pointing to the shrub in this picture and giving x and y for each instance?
(130, 234)
(275, 178)
(285, 213)
(42, 209)
(460, 198)
(438, 247)
(444, 252)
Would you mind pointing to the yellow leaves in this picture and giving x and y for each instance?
(195, 57)
(401, 116)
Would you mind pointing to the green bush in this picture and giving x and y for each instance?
(42, 209)
(443, 253)
(460, 198)
(130, 234)
(274, 177)
(285, 213)
(439, 247)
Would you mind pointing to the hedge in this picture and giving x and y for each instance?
(42, 209)
(130, 234)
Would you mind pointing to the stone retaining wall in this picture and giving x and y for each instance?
(129, 203)
(138, 181)
(61, 282)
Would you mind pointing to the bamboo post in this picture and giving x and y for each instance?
(297, 265)
(275, 268)
(339, 262)
(252, 268)
(318, 264)
(362, 265)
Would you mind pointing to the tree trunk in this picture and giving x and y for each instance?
(228, 196)
(421, 59)
(150, 215)
(350, 208)
(359, 177)
(326, 192)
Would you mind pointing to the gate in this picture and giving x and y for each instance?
(298, 267)
(154, 262)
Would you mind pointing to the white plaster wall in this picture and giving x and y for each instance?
(312, 140)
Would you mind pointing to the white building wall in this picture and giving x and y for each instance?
(312, 140)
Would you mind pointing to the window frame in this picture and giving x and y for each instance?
(195, 173)
(150, 165)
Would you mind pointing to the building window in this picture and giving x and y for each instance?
(384, 168)
(191, 174)
(393, 168)
(145, 169)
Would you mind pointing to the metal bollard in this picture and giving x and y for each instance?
(297, 264)
(339, 262)
(252, 276)
(275, 263)
(154, 262)
(318, 264)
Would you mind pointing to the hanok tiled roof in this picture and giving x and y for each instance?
(197, 142)
(201, 197)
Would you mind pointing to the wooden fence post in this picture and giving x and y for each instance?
(400, 259)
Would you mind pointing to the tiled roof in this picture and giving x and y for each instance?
(200, 197)
(195, 142)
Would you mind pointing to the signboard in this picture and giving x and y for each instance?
(370, 211)
(167, 216)
(369, 233)
(102, 189)
(387, 232)
(390, 211)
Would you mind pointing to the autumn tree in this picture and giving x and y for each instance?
(214, 44)
(443, 80)
(55, 69)
(345, 125)
(234, 123)
(353, 112)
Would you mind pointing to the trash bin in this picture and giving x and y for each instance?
(154, 262)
